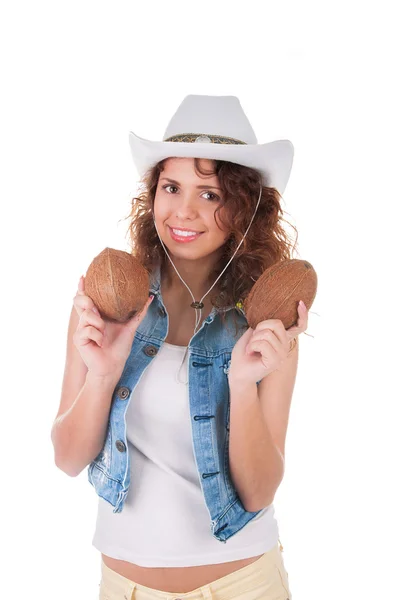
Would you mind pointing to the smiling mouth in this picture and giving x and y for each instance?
(184, 229)
(182, 238)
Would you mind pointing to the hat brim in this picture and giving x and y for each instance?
(274, 159)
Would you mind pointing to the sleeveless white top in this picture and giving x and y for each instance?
(165, 522)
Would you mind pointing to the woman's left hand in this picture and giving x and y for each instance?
(262, 350)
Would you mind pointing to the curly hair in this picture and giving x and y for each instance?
(265, 244)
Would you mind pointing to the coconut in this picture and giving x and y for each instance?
(118, 285)
(278, 290)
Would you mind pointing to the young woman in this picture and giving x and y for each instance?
(181, 413)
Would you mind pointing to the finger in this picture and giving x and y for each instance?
(80, 285)
(81, 303)
(79, 294)
(269, 336)
(149, 301)
(88, 317)
(139, 316)
(146, 306)
(262, 347)
(293, 332)
(274, 325)
(302, 316)
(302, 309)
(270, 323)
(301, 323)
(88, 334)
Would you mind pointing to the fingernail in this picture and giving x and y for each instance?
(302, 304)
(151, 297)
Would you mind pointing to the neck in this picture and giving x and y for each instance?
(195, 276)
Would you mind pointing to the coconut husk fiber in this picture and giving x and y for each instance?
(118, 285)
(278, 290)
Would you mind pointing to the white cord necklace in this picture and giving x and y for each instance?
(199, 305)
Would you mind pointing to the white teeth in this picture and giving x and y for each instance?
(184, 233)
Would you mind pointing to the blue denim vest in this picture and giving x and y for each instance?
(209, 358)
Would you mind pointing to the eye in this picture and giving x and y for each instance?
(168, 185)
(215, 196)
(214, 199)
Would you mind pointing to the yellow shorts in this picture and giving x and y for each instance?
(265, 578)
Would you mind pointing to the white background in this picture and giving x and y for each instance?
(76, 77)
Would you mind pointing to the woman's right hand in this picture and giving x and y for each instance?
(103, 345)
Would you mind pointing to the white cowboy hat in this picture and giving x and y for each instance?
(216, 127)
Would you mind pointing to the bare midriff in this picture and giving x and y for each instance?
(175, 579)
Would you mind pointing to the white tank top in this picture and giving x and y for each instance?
(165, 521)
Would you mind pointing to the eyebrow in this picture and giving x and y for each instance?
(200, 187)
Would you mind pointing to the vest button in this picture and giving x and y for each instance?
(121, 446)
(123, 392)
(150, 350)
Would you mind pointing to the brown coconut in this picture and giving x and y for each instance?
(278, 290)
(118, 285)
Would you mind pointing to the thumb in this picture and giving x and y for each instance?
(139, 316)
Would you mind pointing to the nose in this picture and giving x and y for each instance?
(187, 207)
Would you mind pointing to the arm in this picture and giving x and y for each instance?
(256, 465)
(258, 424)
(78, 435)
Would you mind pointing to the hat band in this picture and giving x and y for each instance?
(203, 138)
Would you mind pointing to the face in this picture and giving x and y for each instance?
(186, 200)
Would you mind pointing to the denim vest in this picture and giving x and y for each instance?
(209, 358)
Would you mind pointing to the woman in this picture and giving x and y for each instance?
(204, 433)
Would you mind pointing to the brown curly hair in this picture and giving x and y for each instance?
(265, 244)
